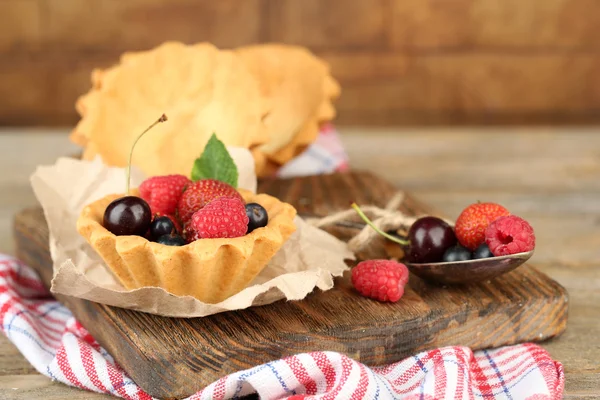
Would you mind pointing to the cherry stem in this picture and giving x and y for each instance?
(376, 229)
(162, 118)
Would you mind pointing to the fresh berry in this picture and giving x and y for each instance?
(129, 215)
(456, 253)
(171, 240)
(173, 219)
(483, 251)
(161, 226)
(199, 194)
(509, 235)
(471, 223)
(163, 192)
(382, 280)
(257, 216)
(224, 217)
(429, 237)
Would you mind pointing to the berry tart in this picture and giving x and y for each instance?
(201, 237)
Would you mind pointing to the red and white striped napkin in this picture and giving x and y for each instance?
(54, 342)
(59, 347)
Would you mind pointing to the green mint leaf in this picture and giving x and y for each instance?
(215, 163)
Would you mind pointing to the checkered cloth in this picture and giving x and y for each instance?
(52, 340)
(60, 348)
(324, 155)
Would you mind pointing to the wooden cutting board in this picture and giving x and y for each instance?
(174, 357)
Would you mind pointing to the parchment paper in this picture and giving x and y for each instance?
(308, 260)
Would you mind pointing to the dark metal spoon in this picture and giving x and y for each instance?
(468, 271)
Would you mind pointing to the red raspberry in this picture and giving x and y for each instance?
(163, 192)
(382, 280)
(509, 235)
(224, 217)
(471, 223)
(199, 194)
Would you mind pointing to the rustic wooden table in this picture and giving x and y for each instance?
(551, 177)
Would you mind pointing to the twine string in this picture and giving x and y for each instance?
(368, 243)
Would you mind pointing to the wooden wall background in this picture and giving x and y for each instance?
(399, 61)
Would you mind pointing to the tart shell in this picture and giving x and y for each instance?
(210, 270)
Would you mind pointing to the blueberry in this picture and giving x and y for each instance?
(483, 251)
(161, 226)
(171, 240)
(257, 216)
(456, 253)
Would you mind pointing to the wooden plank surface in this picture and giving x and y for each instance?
(377, 88)
(176, 358)
(416, 61)
(512, 24)
(570, 208)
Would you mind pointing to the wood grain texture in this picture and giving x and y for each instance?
(554, 24)
(27, 387)
(329, 24)
(398, 61)
(377, 89)
(12, 361)
(20, 25)
(124, 25)
(567, 204)
(171, 357)
(466, 87)
(73, 25)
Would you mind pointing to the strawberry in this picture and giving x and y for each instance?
(200, 193)
(163, 192)
(472, 222)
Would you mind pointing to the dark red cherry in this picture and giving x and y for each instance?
(129, 215)
(429, 238)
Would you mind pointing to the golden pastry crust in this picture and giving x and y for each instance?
(210, 270)
(269, 98)
(266, 167)
(310, 131)
(301, 90)
(293, 79)
(203, 90)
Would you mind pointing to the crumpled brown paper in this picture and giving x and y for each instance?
(310, 259)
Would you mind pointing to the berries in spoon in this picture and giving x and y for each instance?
(428, 238)
(483, 251)
(456, 253)
(129, 215)
(257, 216)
